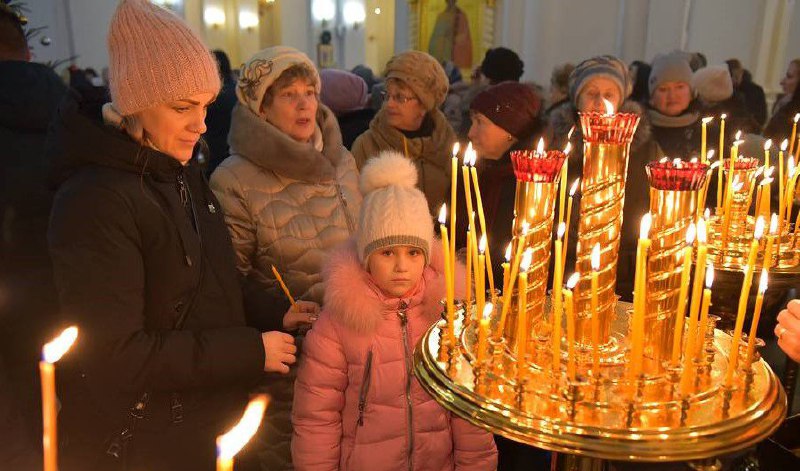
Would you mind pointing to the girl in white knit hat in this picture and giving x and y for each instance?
(357, 403)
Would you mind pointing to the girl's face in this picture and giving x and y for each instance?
(175, 127)
(396, 270)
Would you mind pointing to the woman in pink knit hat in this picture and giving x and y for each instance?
(144, 263)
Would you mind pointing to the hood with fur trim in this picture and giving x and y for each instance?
(352, 298)
(564, 116)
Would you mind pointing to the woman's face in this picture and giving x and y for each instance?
(175, 127)
(593, 93)
(294, 110)
(789, 81)
(402, 108)
(671, 98)
(489, 140)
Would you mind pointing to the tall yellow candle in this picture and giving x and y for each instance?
(751, 336)
(506, 267)
(639, 293)
(572, 191)
(721, 150)
(700, 268)
(229, 444)
(562, 184)
(468, 277)
(558, 280)
(483, 333)
(51, 353)
(595, 311)
(704, 133)
(569, 307)
(448, 276)
(480, 280)
(512, 276)
(773, 232)
(781, 184)
(794, 133)
(484, 231)
(733, 359)
(522, 314)
(453, 201)
(703, 324)
(469, 154)
(677, 336)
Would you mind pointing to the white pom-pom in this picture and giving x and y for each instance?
(388, 168)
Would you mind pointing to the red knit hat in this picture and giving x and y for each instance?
(512, 106)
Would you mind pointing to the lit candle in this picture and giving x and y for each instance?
(773, 231)
(683, 295)
(793, 172)
(767, 192)
(51, 353)
(229, 444)
(453, 205)
(558, 280)
(562, 184)
(721, 149)
(482, 219)
(480, 281)
(702, 194)
(781, 184)
(701, 331)
(448, 276)
(483, 333)
(468, 280)
(743, 296)
(595, 311)
(522, 313)
(700, 268)
(732, 189)
(794, 133)
(704, 132)
(572, 191)
(639, 293)
(513, 275)
(469, 155)
(506, 267)
(751, 336)
(570, 310)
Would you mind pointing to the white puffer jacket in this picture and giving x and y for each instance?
(286, 203)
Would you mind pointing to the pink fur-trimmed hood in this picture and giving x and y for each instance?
(352, 298)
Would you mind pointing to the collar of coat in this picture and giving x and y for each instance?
(268, 147)
(435, 148)
(352, 298)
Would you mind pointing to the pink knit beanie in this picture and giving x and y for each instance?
(154, 58)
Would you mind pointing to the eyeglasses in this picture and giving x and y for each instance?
(397, 97)
(294, 97)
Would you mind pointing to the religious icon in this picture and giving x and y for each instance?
(450, 39)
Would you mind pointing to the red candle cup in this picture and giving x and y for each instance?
(538, 167)
(603, 128)
(677, 175)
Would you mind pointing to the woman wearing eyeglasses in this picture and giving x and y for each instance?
(290, 194)
(410, 122)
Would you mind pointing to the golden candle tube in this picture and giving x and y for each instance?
(672, 213)
(740, 202)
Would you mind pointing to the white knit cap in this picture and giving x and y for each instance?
(263, 69)
(713, 83)
(394, 212)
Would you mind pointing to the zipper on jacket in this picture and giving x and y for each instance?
(343, 201)
(183, 190)
(401, 313)
(362, 395)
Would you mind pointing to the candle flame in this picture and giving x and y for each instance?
(677, 162)
(574, 187)
(527, 259)
(784, 144)
(715, 164)
(723, 116)
(763, 281)
(56, 348)
(737, 185)
(525, 228)
(573, 280)
(710, 154)
(709, 275)
(562, 228)
(796, 117)
(540, 146)
(773, 224)
(768, 172)
(694, 159)
(571, 131)
(644, 226)
(508, 252)
(443, 214)
(229, 444)
(790, 164)
(609, 107)
(708, 119)
(758, 173)
(759, 231)
(456, 148)
(738, 135)
(691, 233)
(568, 148)
(596, 257)
(487, 311)
(707, 214)
(482, 244)
(768, 144)
(701, 231)
(664, 160)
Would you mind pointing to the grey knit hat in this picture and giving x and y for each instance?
(672, 67)
(600, 66)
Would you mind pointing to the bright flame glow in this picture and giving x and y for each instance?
(694, 159)
(568, 148)
(723, 116)
(248, 19)
(596, 257)
(571, 131)
(540, 146)
(738, 135)
(56, 348)
(677, 162)
(664, 160)
(796, 117)
(229, 444)
(691, 233)
(784, 144)
(508, 252)
(609, 106)
(562, 228)
(759, 231)
(526, 227)
(443, 214)
(644, 226)
(709, 275)
(708, 119)
(768, 172)
(715, 164)
(487, 310)
(710, 154)
(214, 16)
(527, 259)
(763, 281)
(773, 224)
(707, 214)
(469, 155)
(768, 144)
(354, 13)
(573, 280)
(574, 186)
(701, 231)
(482, 244)
(456, 148)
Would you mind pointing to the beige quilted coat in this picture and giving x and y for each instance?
(286, 203)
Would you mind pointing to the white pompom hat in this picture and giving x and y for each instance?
(394, 211)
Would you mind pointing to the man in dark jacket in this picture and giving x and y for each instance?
(753, 93)
(29, 95)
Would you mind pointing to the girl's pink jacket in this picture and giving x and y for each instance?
(357, 405)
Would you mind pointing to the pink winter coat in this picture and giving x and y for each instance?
(356, 405)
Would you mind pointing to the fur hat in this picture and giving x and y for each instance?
(512, 106)
(154, 58)
(601, 66)
(263, 69)
(343, 91)
(423, 74)
(672, 67)
(394, 212)
(501, 64)
(713, 83)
